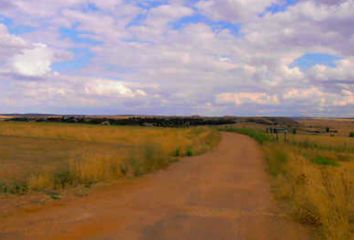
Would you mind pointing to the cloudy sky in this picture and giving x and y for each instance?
(208, 57)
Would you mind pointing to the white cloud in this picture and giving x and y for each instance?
(346, 99)
(247, 97)
(190, 65)
(307, 93)
(34, 62)
(233, 10)
(110, 88)
(9, 41)
(344, 71)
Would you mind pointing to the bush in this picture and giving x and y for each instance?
(189, 152)
(63, 179)
(135, 167)
(14, 188)
(3, 187)
(177, 152)
(351, 134)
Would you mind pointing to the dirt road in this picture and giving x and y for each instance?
(224, 194)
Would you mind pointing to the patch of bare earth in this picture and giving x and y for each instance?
(224, 194)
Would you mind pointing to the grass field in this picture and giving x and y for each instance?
(343, 126)
(314, 176)
(46, 156)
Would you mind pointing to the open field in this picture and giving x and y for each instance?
(342, 126)
(314, 176)
(223, 194)
(46, 156)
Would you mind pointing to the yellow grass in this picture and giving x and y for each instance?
(37, 156)
(343, 126)
(335, 142)
(318, 195)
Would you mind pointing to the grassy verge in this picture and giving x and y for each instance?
(259, 136)
(316, 182)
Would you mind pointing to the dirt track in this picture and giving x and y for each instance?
(224, 194)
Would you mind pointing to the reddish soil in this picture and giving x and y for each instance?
(224, 194)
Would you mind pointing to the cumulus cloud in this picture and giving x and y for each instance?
(344, 71)
(178, 57)
(110, 88)
(346, 99)
(34, 62)
(235, 10)
(247, 97)
(306, 93)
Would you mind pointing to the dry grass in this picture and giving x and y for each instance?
(319, 193)
(344, 126)
(42, 156)
(314, 176)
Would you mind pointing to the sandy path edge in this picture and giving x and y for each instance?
(224, 194)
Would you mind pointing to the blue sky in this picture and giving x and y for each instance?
(309, 60)
(81, 58)
(209, 57)
(16, 29)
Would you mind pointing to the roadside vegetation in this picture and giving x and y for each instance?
(49, 157)
(314, 176)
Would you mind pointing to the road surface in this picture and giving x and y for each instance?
(224, 194)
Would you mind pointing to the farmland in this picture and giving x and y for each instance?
(311, 177)
(47, 156)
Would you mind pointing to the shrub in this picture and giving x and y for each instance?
(177, 152)
(135, 167)
(189, 152)
(351, 134)
(15, 187)
(18, 188)
(3, 187)
(63, 178)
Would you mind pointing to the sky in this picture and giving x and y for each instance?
(177, 57)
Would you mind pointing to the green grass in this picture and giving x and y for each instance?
(14, 187)
(320, 160)
(189, 151)
(276, 160)
(259, 136)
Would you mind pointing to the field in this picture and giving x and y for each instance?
(313, 176)
(51, 156)
(312, 172)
